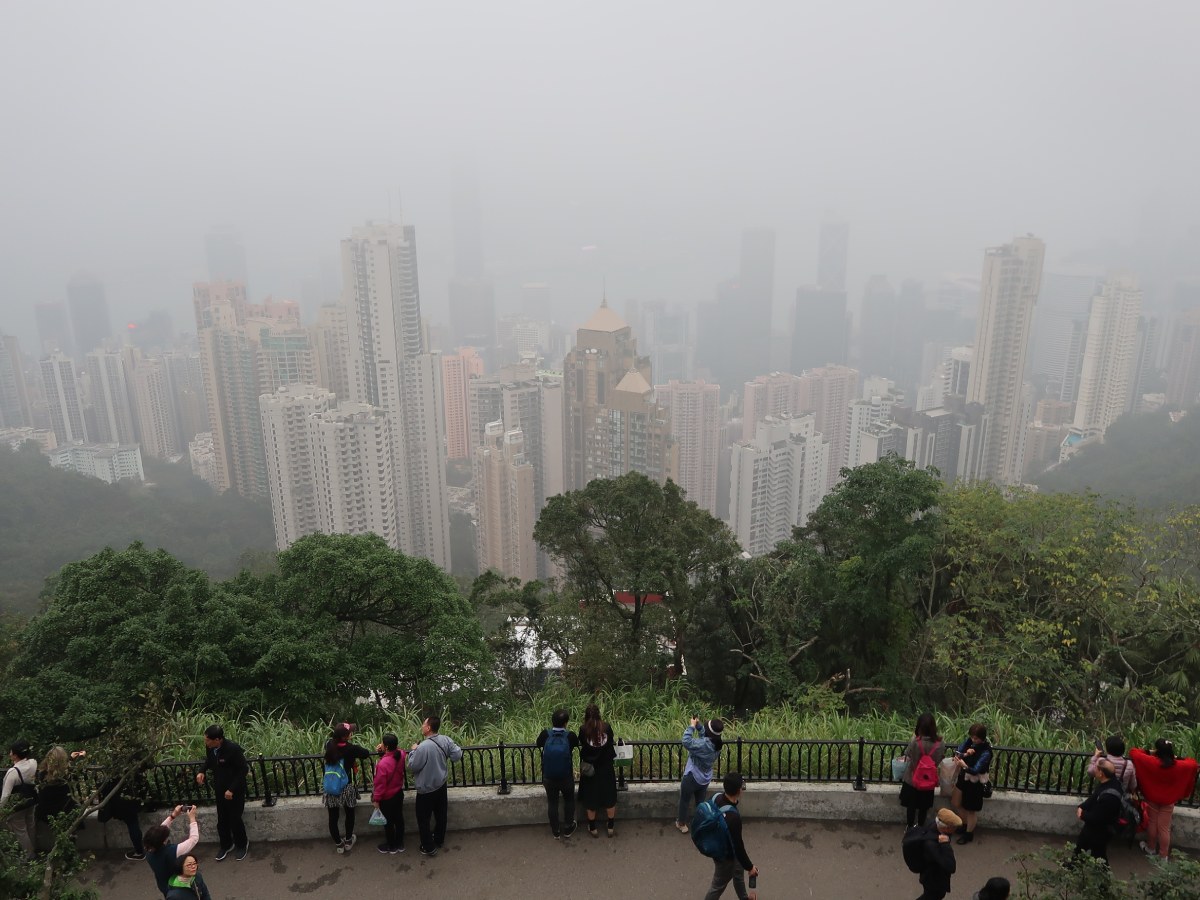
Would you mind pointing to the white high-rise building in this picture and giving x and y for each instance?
(1012, 277)
(1109, 356)
(389, 369)
(111, 398)
(504, 501)
(695, 426)
(776, 481)
(154, 411)
(63, 399)
(329, 467)
(864, 415)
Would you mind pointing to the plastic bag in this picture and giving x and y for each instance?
(899, 764)
(378, 818)
(947, 775)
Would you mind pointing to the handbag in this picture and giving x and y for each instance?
(377, 818)
(899, 764)
(987, 789)
(624, 758)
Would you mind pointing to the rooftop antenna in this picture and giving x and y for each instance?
(604, 292)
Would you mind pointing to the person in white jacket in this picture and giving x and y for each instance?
(18, 795)
(429, 762)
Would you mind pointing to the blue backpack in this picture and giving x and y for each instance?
(556, 754)
(710, 831)
(335, 779)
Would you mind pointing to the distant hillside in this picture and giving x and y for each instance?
(49, 517)
(1145, 458)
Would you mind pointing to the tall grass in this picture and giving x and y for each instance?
(650, 714)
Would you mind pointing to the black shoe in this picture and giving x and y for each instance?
(242, 851)
(225, 851)
(966, 838)
(134, 854)
(432, 852)
(570, 829)
(384, 848)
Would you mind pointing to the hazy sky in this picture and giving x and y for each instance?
(654, 131)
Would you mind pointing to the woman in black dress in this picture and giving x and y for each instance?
(973, 757)
(597, 774)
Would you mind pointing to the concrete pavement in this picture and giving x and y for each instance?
(798, 859)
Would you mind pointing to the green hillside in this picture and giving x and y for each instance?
(1145, 458)
(49, 517)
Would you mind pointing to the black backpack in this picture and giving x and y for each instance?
(912, 846)
(1129, 821)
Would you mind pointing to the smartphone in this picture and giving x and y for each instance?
(1099, 746)
(753, 882)
(187, 807)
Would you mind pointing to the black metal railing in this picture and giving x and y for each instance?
(858, 763)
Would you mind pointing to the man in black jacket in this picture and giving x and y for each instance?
(938, 855)
(229, 768)
(726, 870)
(1100, 812)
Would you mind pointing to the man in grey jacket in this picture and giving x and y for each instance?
(429, 762)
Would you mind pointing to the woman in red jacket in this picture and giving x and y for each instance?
(388, 793)
(1164, 781)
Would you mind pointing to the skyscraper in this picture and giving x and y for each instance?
(1183, 359)
(1109, 357)
(832, 250)
(153, 410)
(1056, 341)
(457, 371)
(827, 392)
(1011, 280)
(776, 481)
(391, 370)
(613, 424)
(89, 312)
(63, 399)
(15, 410)
(504, 501)
(54, 329)
(821, 328)
(695, 409)
(112, 398)
(734, 333)
(225, 254)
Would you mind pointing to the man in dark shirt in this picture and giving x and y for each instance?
(229, 768)
(939, 863)
(733, 869)
(1100, 812)
(561, 783)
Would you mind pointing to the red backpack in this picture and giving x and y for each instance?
(925, 775)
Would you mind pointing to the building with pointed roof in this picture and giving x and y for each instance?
(613, 423)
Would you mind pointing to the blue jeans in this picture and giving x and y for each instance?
(689, 789)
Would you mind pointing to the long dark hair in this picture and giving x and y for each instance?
(593, 726)
(391, 744)
(1165, 751)
(927, 727)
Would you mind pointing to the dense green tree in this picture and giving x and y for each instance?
(399, 627)
(630, 534)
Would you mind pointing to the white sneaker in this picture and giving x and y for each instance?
(350, 841)
(340, 847)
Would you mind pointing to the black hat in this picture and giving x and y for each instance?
(715, 726)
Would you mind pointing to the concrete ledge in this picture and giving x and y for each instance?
(306, 819)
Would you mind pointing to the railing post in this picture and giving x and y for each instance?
(504, 788)
(741, 771)
(268, 799)
(858, 780)
(621, 786)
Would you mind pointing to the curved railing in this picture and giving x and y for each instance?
(858, 762)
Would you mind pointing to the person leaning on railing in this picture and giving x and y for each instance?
(1165, 781)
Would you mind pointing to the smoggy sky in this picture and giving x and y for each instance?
(651, 131)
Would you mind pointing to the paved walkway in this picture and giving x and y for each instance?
(798, 859)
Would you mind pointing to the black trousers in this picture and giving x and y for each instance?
(231, 830)
(1093, 841)
(564, 787)
(393, 810)
(333, 822)
(432, 805)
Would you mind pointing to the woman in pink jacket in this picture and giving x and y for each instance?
(388, 793)
(1164, 781)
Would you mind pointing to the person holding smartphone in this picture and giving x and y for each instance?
(703, 745)
(973, 758)
(164, 857)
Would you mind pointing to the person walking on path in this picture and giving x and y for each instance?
(1099, 813)
(1165, 780)
(737, 866)
(973, 757)
(18, 795)
(339, 792)
(429, 762)
(937, 862)
(227, 763)
(703, 745)
(597, 774)
(188, 883)
(162, 857)
(124, 805)
(922, 756)
(388, 793)
(558, 778)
